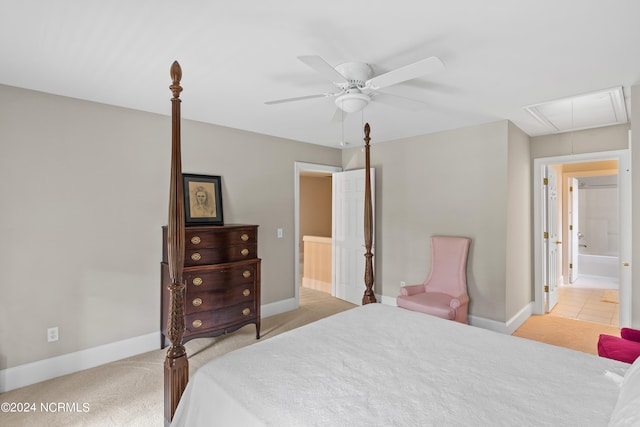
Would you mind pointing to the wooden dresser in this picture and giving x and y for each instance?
(222, 274)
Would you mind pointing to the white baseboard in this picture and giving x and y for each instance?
(278, 307)
(516, 321)
(490, 324)
(46, 369)
(387, 300)
(42, 370)
(316, 284)
(508, 327)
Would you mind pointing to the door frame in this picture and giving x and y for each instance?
(624, 206)
(570, 185)
(550, 222)
(299, 168)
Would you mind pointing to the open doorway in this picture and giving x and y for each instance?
(606, 226)
(329, 231)
(589, 259)
(313, 195)
(315, 231)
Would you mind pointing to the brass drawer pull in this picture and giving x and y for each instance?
(195, 240)
(246, 292)
(196, 256)
(244, 252)
(244, 237)
(246, 274)
(197, 323)
(197, 281)
(246, 312)
(197, 302)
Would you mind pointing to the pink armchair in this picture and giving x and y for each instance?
(444, 293)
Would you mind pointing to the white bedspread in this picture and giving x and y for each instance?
(379, 365)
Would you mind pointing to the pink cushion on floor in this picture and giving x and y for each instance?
(630, 334)
(433, 303)
(618, 348)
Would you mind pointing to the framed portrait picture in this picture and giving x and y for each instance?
(202, 199)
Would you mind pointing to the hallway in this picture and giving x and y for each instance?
(588, 304)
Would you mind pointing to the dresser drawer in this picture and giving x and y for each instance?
(220, 277)
(228, 241)
(196, 238)
(205, 301)
(207, 256)
(220, 319)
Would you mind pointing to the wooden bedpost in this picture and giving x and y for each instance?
(176, 365)
(369, 296)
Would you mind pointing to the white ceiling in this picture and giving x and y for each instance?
(500, 56)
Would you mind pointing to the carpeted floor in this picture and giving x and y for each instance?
(129, 392)
(565, 332)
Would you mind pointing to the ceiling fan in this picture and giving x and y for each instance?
(357, 84)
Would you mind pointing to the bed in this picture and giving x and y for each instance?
(379, 365)
(404, 368)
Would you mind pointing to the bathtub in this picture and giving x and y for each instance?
(598, 265)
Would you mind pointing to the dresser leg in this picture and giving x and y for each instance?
(258, 330)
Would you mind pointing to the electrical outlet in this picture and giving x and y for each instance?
(402, 283)
(280, 233)
(52, 334)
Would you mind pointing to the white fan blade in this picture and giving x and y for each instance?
(408, 72)
(300, 98)
(321, 66)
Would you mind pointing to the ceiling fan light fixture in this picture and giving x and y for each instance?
(352, 102)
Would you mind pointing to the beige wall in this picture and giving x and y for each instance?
(317, 272)
(84, 190)
(597, 167)
(453, 183)
(586, 141)
(519, 271)
(315, 206)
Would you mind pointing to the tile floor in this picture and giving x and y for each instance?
(589, 303)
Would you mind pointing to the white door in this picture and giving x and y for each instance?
(348, 234)
(624, 203)
(551, 241)
(574, 230)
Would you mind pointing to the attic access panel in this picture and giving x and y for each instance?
(591, 110)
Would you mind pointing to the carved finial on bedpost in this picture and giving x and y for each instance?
(369, 296)
(176, 76)
(176, 364)
(367, 130)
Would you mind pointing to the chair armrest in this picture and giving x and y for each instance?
(630, 334)
(459, 301)
(411, 290)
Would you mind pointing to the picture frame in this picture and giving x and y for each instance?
(202, 199)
